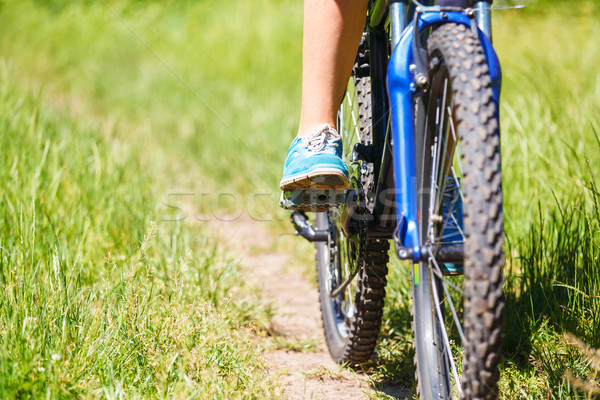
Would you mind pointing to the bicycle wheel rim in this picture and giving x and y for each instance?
(439, 367)
(337, 311)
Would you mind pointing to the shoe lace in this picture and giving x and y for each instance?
(319, 140)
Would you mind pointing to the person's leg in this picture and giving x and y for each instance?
(332, 31)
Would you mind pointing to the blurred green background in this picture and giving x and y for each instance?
(116, 114)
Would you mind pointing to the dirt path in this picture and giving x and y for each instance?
(307, 374)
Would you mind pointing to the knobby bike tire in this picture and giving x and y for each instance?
(458, 121)
(351, 331)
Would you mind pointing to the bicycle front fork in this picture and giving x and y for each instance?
(402, 85)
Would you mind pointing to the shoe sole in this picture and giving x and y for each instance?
(320, 179)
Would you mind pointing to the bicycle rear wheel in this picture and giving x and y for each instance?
(352, 314)
(457, 319)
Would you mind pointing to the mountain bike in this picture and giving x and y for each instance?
(421, 135)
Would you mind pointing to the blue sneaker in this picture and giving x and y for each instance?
(314, 162)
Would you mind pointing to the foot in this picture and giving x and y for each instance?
(314, 162)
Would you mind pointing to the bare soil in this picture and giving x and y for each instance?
(310, 373)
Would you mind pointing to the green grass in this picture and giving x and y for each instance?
(136, 111)
(113, 111)
(550, 95)
(99, 297)
(551, 173)
(188, 76)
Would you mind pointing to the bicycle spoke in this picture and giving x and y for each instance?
(448, 349)
(445, 282)
(457, 225)
(441, 143)
(453, 130)
(432, 197)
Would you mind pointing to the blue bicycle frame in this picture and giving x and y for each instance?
(402, 90)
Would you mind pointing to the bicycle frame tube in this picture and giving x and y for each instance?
(401, 88)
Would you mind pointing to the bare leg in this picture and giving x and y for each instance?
(332, 31)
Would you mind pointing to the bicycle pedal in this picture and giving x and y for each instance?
(312, 200)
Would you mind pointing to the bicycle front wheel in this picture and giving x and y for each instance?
(457, 308)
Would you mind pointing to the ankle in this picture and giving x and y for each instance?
(305, 130)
